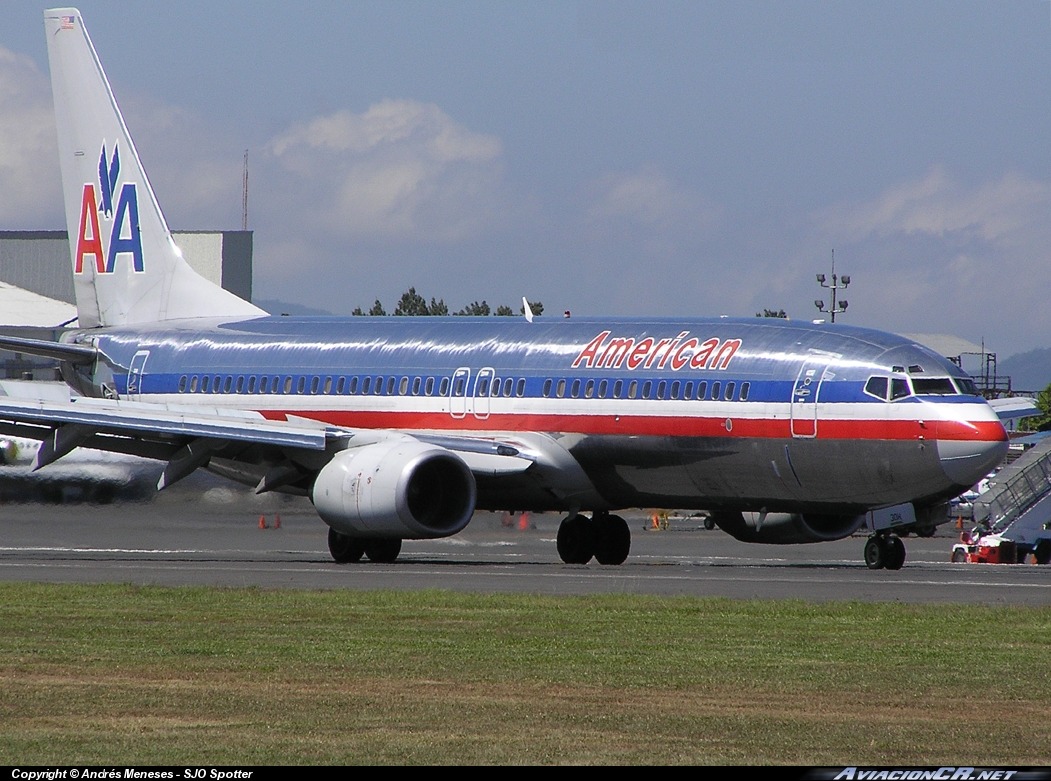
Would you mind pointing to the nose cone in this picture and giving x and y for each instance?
(971, 451)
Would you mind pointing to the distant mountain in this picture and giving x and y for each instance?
(276, 307)
(1029, 371)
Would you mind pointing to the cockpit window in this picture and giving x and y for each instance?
(899, 389)
(877, 386)
(967, 386)
(935, 385)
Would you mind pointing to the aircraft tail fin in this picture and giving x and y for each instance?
(127, 269)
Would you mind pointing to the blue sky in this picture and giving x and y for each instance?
(608, 158)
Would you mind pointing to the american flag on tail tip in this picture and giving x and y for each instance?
(67, 22)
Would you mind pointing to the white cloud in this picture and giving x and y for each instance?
(402, 170)
(650, 200)
(937, 205)
(30, 192)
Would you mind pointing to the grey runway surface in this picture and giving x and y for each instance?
(211, 537)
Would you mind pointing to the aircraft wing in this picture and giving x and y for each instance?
(187, 436)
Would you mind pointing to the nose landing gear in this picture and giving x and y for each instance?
(884, 551)
(604, 536)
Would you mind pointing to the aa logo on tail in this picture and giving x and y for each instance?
(123, 233)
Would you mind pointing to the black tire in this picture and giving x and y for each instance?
(575, 541)
(344, 548)
(709, 523)
(874, 553)
(612, 539)
(1042, 552)
(895, 553)
(384, 550)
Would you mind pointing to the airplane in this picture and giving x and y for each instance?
(401, 427)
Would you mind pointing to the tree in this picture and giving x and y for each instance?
(411, 304)
(773, 313)
(535, 306)
(357, 312)
(504, 311)
(377, 309)
(438, 308)
(475, 309)
(1043, 422)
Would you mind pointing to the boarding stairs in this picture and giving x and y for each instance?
(1018, 502)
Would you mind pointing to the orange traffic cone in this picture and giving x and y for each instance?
(277, 521)
(262, 521)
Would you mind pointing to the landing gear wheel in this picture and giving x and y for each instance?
(709, 522)
(1042, 552)
(344, 548)
(875, 552)
(895, 553)
(612, 539)
(384, 550)
(575, 541)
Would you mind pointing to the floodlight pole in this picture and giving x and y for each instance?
(838, 283)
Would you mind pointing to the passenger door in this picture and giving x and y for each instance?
(135, 373)
(805, 396)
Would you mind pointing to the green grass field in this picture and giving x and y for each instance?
(104, 674)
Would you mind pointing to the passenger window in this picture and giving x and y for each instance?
(646, 388)
(193, 384)
(377, 387)
(675, 390)
(661, 387)
(507, 386)
(560, 390)
(745, 388)
(328, 386)
(391, 382)
(603, 386)
(353, 387)
(702, 390)
(443, 389)
(520, 387)
(182, 384)
(251, 384)
(366, 385)
(341, 385)
(460, 385)
(241, 384)
(275, 384)
(483, 387)
(314, 383)
(715, 391)
(899, 389)
(730, 391)
(687, 392)
(877, 386)
(301, 385)
(215, 383)
(618, 388)
(228, 384)
(633, 388)
(428, 387)
(403, 386)
(416, 386)
(576, 388)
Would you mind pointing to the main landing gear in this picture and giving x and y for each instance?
(604, 536)
(884, 551)
(346, 549)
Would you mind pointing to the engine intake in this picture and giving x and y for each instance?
(400, 488)
(787, 528)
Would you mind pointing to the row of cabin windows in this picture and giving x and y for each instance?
(379, 386)
(619, 389)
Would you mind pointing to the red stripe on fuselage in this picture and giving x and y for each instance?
(654, 425)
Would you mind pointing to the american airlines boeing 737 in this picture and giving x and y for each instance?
(401, 427)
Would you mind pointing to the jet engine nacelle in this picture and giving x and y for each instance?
(399, 488)
(787, 528)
